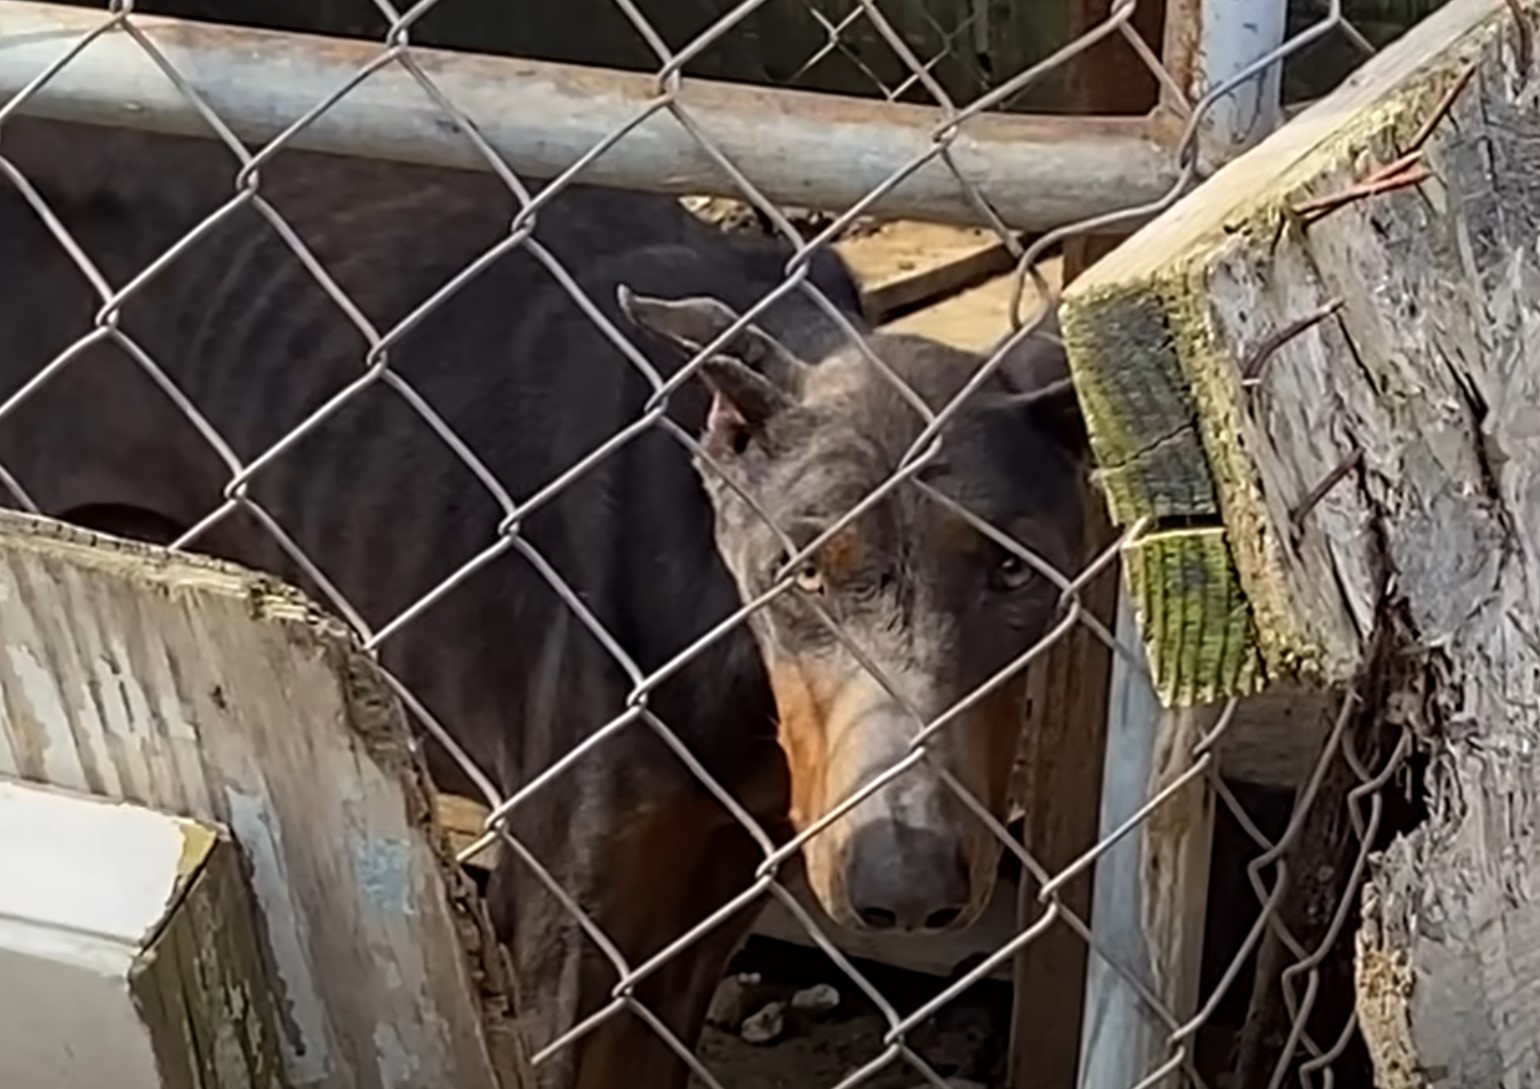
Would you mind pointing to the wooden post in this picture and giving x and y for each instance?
(202, 689)
(1061, 778)
(1345, 395)
(1152, 887)
(1067, 717)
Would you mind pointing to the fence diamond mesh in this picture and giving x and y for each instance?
(1355, 755)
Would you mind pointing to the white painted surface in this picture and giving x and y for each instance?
(122, 868)
(83, 883)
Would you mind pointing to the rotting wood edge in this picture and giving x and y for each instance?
(370, 707)
(1182, 464)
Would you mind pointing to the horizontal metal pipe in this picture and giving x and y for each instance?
(799, 148)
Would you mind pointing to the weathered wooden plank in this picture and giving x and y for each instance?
(202, 689)
(974, 319)
(131, 934)
(1158, 355)
(906, 264)
(1387, 304)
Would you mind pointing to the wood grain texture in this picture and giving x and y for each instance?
(1159, 332)
(201, 985)
(1426, 382)
(199, 688)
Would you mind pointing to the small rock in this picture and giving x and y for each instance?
(736, 997)
(816, 1002)
(766, 1026)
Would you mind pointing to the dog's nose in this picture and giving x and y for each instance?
(900, 877)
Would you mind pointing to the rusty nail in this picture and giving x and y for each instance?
(1404, 172)
(1251, 367)
(1445, 104)
(1320, 491)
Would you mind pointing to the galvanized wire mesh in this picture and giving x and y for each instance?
(505, 791)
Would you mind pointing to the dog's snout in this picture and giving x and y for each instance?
(900, 877)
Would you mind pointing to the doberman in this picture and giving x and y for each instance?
(651, 549)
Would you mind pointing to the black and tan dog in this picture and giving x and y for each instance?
(655, 551)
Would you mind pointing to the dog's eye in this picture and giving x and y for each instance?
(1011, 573)
(809, 581)
(807, 577)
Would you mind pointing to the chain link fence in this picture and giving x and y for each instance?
(44, 48)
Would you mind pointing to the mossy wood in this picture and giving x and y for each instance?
(1231, 593)
(1374, 267)
(201, 985)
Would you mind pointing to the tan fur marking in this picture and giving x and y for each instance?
(843, 555)
(804, 738)
(987, 740)
(957, 535)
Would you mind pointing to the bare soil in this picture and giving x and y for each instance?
(965, 1040)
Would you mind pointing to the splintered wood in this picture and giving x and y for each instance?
(206, 691)
(1317, 380)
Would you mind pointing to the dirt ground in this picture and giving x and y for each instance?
(965, 1040)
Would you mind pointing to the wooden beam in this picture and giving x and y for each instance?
(132, 935)
(906, 265)
(1061, 784)
(1373, 266)
(1160, 332)
(1067, 717)
(202, 689)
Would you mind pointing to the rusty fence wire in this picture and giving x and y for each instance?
(1305, 1056)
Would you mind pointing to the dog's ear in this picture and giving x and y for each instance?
(1036, 371)
(1053, 409)
(752, 376)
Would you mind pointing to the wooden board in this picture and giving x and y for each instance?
(899, 264)
(903, 264)
(976, 318)
(205, 690)
(1158, 333)
(131, 935)
(1415, 397)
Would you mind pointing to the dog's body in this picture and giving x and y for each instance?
(527, 381)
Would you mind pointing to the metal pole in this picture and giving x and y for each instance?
(800, 148)
(1234, 35)
(1207, 42)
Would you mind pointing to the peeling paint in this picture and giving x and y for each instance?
(305, 1040)
(50, 716)
(383, 870)
(397, 1065)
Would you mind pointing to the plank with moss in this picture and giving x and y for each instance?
(1164, 336)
